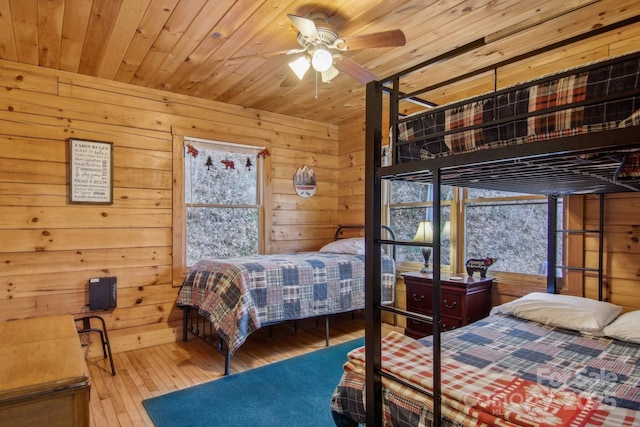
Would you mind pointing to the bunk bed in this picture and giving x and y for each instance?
(224, 300)
(574, 132)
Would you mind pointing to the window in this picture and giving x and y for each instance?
(509, 226)
(222, 199)
(410, 203)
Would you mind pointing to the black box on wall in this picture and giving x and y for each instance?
(103, 293)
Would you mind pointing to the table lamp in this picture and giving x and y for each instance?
(425, 234)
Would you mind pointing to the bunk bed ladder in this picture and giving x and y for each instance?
(553, 231)
(374, 243)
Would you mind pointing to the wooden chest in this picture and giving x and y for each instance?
(44, 379)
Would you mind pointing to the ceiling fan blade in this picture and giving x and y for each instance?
(305, 26)
(354, 70)
(266, 54)
(289, 80)
(391, 38)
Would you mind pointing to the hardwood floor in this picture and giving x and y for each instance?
(141, 374)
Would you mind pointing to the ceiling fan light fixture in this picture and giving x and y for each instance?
(300, 66)
(330, 74)
(321, 60)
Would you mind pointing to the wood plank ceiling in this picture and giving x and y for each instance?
(192, 46)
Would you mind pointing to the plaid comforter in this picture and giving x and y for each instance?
(504, 371)
(564, 106)
(239, 295)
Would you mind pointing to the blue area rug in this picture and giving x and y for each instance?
(292, 392)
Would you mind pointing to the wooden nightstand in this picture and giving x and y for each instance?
(463, 301)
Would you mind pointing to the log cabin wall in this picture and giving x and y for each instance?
(621, 247)
(50, 248)
(351, 162)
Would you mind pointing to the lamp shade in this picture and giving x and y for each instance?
(446, 230)
(300, 66)
(424, 232)
(328, 75)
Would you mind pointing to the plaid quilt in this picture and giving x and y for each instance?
(503, 371)
(565, 106)
(239, 295)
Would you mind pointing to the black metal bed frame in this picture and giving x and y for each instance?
(542, 159)
(199, 326)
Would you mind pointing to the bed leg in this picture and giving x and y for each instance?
(227, 360)
(326, 330)
(185, 312)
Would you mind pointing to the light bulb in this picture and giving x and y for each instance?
(322, 60)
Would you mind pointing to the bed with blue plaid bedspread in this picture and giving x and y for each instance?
(239, 295)
(579, 101)
(503, 371)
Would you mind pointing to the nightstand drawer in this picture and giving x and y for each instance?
(419, 299)
(418, 329)
(451, 304)
(449, 323)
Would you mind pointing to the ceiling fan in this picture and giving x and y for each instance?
(322, 48)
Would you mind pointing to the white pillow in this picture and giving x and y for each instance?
(566, 311)
(625, 328)
(353, 246)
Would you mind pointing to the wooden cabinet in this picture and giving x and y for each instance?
(463, 301)
(44, 379)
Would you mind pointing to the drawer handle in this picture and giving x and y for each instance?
(450, 306)
(415, 297)
(416, 322)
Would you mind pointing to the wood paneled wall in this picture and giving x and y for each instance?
(49, 248)
(621, 248)
(352, 162)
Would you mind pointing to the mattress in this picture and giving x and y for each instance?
(506, 371)
(585, 100)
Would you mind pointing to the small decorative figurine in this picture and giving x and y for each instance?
(480, 265)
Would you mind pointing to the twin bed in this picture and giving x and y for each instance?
(225, 300)
(575, 132)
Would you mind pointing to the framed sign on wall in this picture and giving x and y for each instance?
(90, 171)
